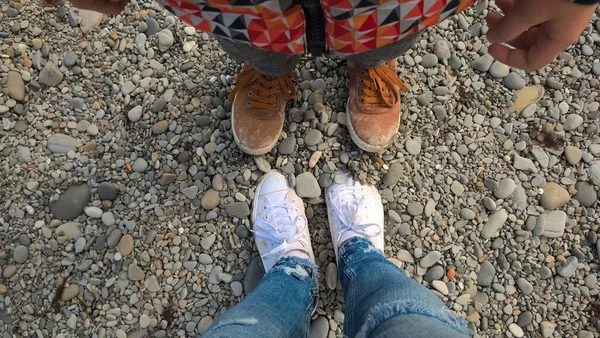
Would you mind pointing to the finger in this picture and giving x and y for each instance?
(525, 40)
(102, 6)
(505, 5)
(541, 53)
(520, 18)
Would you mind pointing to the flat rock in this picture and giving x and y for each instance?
(210, 200)
(307, 185)
(495, 222)
(554, 196)
(152, 284)
(61, 144)
(412, 146)
(50, 75)
(525, 286)
(525, 164)
(555, 222)
(21, 254)
(572, 121)
(319, 328)
(135, 273)
(238, 209)
(126, 245)
(16, 86)
(262, 164)
(70, 292)
(430, 259)
(483, 63)
(107, 191)
(393, 175)
(254, 273)
(527, 96)
(331, 276)
(505, 188)
(139, 165)
(586, 194)
(513, 81)
(547, 329)
(68, 229)
(72, 203)
(415, 209)
(568, 268)
(573, 155)
(486, 274)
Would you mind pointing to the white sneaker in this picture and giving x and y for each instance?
(354, 210)
(280, 225)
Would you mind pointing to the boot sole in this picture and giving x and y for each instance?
(247, 150)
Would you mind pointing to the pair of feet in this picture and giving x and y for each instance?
(373, 109)
(281, 227)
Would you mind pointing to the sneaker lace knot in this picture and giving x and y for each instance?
(381, 86)
(346, 206)
(277, 225)
(264, 89)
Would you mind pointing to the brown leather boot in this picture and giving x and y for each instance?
(373, 107)
(258, 109)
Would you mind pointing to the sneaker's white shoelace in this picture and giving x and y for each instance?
(277, 226)
(346, 206)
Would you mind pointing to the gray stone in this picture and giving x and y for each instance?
(21, 254)
(572, 122)
(486, 274)
(434, 273)
(547, 329)
(555, 224)
(254, 273)
(513, 81)
(540, 156)
(499, 70)
(430, 259)
(573, 155)
(61, 144)
(540, 225)
(393, 175)
(165, 40)
(545, 272)
(415, 209)
(429, 60)
(287, 145)
(50, 75)
(72, 203)
(152, 284)
(262, 164)
(238, 209)
(413, 147)
(15, 86)
(489, 203)
(107, 191)
(525, 286)
(139, 165)
(505, 188)
(152, 26)
(331, 276)
(457, 188)
(135, 113)
(70, 59)
(319, 328)
(495, 222)
(190, 192)
(483, 63)
(467, 214)
(591, 281)
(525, 318)
(313, 137)
(135, 273)
(441, 49)
(568, 268)
(307, 185)
(586, 194)
(525, 164)
(237, 288)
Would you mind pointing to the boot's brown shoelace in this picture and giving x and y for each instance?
(377, 83)
(264, 89)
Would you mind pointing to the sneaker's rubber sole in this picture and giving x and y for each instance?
(248, 150)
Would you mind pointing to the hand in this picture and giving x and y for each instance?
(102, 6)
(539, 30)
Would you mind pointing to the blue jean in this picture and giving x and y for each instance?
(381, 301)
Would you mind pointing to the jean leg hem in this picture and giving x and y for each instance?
(381, 313)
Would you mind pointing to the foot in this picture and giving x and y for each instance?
(280, 225)
(373, 107)
(354, 210)
(258, 109)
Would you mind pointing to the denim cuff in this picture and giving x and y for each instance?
(297, 267)
(355, 244)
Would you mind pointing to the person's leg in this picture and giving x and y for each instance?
(377, 293)
(373, 108)
(381, 301)
(381, 55)
(264, 61)
(260, 96)
(280, 306)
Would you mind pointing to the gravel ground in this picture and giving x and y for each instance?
(125, 201)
